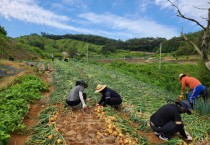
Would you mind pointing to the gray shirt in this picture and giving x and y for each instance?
(74, 93)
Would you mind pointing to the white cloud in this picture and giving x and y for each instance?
(58, 6)
(139, 27)
(143, 5)
(188, 9)
(29, 11)
(106, 24)
(81, 4)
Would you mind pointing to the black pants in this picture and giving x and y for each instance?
(114, 101)
(74, 103)
(168, 129)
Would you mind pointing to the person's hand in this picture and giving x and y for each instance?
(97, 105)
(84, 106)
(181, 97)
(189, 137)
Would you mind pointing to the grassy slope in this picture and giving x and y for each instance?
(9, 47)
(57, 46)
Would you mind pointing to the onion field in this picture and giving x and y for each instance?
(140, 100)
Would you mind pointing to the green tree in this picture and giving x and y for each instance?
(72, 52)
(3, 31)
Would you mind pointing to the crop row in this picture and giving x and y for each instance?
(14, 104)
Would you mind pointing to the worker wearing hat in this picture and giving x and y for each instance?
(109, 96)
(195, 88)
(77, 95)
(167, 121)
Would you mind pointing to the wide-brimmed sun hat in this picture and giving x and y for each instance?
(99, 88)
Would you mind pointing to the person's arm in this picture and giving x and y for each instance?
(181, 130)
(107, 97)
(183, 86)
(82, 99)
(101, 102)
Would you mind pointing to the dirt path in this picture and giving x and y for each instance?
(6, 81)
(84, 128)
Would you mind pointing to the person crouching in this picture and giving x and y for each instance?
(77, 95)
(109, 96)
(167, 121)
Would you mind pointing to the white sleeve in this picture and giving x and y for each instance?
(81, 98)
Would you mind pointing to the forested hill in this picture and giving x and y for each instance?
(174, 45)
(147, 44)
(44, 45)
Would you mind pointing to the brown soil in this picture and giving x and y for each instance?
(152, 138)
(6, 81)
(82, 127)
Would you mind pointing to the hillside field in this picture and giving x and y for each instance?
(144, 89)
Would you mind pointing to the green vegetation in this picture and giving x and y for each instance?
(165, 78)
(3, 31)
(141, 97)
(14, 104)
(45, 131)
(144, 86)
(42, 46)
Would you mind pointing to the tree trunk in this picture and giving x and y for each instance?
(204, 46)
(205, 40)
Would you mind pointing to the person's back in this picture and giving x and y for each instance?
(109, 96)
(167, 121)
(111, 93)
(74, 93)
(164, 114)
(191, 82)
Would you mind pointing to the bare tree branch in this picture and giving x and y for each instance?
(181, 15)
(200, 8)
(193, 44)
(205, 18)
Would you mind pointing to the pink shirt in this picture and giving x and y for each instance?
(189, 82)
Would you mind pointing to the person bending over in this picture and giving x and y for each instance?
(77, 95)
(167, 121)
(109, 96)
(195, 88)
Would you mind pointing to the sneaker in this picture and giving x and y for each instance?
(157, 134)
(162, 136)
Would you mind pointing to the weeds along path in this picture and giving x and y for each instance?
(140, 100)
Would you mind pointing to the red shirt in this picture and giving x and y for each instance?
(189, 82)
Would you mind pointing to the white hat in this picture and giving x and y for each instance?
(181, 75)
(99, 88)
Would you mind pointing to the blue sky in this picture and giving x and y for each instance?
(117, 19)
